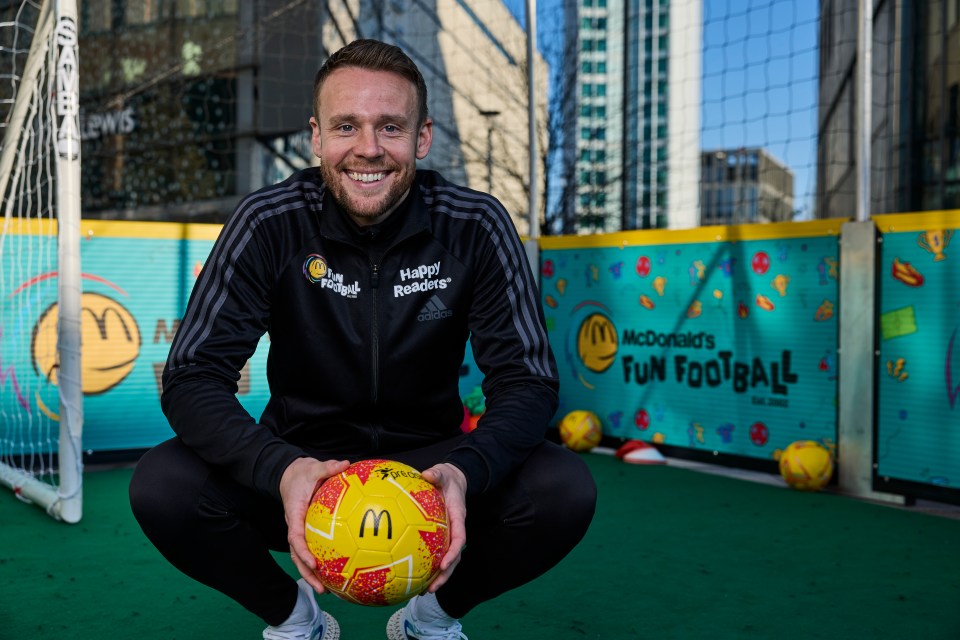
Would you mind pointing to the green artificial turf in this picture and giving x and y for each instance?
(672, 553)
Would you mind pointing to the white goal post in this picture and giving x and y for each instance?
(40, 449)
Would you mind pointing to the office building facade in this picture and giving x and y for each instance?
(915, 107)
(744, 186)
(189, 105)
(634, 138)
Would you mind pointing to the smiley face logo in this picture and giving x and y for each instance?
(597, 342)
(314, 268)
(110, 338)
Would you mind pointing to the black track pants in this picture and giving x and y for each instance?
(221, 533)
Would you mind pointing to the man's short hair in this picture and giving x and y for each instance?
(373, 55)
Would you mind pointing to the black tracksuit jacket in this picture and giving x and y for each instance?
(367, 332)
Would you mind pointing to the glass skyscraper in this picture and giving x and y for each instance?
(635, 135)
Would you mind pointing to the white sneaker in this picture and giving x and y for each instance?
(321, 626)
(403, 625)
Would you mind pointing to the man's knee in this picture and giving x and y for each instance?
(162, 486)
(566, 489)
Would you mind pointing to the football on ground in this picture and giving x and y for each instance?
(806, 465)
(580, 430)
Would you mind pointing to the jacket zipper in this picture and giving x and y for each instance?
(375, 341)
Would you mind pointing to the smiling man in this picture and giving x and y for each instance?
(369, 276)
(368, 132)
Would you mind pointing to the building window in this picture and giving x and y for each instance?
(206, 8)
(142, 13)
(593, 155)
(95, 18)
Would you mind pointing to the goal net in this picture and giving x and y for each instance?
(41, 399)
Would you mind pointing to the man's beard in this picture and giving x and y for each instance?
(359, 208)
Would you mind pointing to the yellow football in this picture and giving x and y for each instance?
(580, 430)
(378, 531)
(806, 465)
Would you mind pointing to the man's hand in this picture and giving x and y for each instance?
(297, 484)
(453, 485)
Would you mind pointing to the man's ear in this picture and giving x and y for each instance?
(424, 139)
(315, 136)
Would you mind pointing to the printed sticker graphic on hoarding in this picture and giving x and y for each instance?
(110, 339)
(596, 338)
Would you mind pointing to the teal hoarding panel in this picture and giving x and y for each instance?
(134, 292)
(918, 381)
(728, 347)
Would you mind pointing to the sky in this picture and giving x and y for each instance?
(760, 68)
(759, 79)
